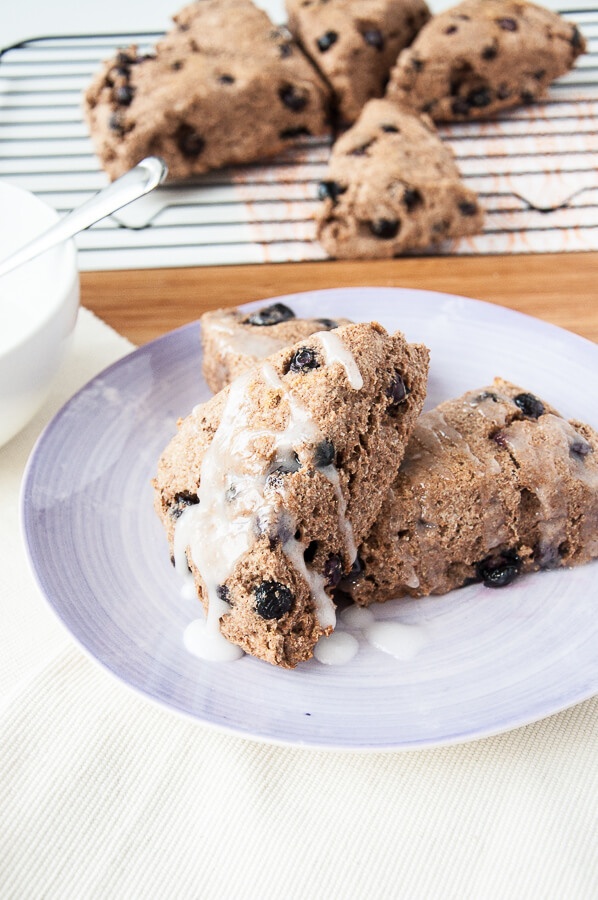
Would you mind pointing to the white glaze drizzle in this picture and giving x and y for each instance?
(232, 337)
(182, 539)
(399, 640)
(394, 638)
(223, 531)
(331, 473)
(411, 579)
(433, 429)
(202, 641)
(188, 589)
(335, 351)
(216, 531)
(336, 649)
(357, 616)
(301, 428)
(294, 550)
(489, 408)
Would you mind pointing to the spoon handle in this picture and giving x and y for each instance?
(142, 179)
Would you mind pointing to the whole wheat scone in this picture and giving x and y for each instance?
(268, 488)
(392, 185)
(483, 56)
(493, 484)
(354, 43)
(224, 86)
(233, 341)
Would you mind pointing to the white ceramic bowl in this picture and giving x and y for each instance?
(38, 309)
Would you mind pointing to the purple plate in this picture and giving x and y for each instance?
(490, 661)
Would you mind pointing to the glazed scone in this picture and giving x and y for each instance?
(492, 485)
(354, 43)
(233, 341)
(392, 185)
(224, 86)
(483, 56)
(268, 488)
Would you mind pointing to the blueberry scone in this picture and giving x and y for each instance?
(224, 86)
(354, 43)
(267, 489)
(492, 485)
(233, 341)
(392, 185)
(483, 56)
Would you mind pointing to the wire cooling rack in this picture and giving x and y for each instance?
(535, 170)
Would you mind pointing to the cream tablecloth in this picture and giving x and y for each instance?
(103, 795)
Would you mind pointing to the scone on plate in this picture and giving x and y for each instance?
(493, 484)
(354, 43)
(224, 86)
(267, 489)
(483, 56)
(234, 340)
(392, 185)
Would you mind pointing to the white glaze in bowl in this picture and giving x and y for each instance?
(38, 309)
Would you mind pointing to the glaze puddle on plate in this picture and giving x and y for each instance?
(491, 660)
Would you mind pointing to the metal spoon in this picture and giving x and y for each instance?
(142, 179)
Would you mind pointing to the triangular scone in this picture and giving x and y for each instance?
(224, 86)
(354, 43)
(492, 485)
(392, 185)
(483, 56)
(233, 340)
(268, 488)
